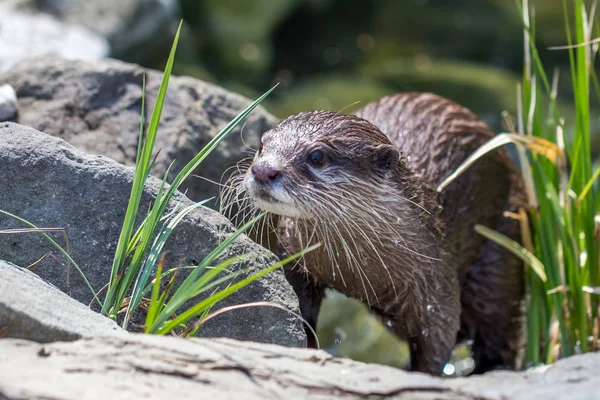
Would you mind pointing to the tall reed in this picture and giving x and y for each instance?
(561, 224)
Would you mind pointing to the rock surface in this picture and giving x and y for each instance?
(150, 367)
(96, 107)
(32, 309)
(24, 35)
(52, 184)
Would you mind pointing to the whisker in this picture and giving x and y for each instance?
(242, 137)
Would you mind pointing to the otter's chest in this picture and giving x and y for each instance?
(365, 269)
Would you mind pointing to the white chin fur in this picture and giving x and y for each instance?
(282, 204)
(276, 208)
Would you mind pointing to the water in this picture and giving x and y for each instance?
(449, 369)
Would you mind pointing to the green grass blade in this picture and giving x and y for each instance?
(141, 173)
(588, 186)
(179, 299)
(59, 248)
(186, 289)
(138, 153)
(154, 301)
(195, 162)
(200, 307)
(536, 144)
(154, 254)
(515, 248)
(136, 260)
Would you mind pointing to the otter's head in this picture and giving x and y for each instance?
(319, 157)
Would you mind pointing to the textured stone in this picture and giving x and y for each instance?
(150, 367)
(52, 184)
(24, 35)
(31, 308)
(97, 106)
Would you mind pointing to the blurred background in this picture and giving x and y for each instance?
(326, 54)
(330, 54)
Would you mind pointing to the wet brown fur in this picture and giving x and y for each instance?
(394, 243)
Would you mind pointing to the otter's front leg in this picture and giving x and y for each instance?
(310, 292)
(310, 296)
(432, 333)
(431, 350)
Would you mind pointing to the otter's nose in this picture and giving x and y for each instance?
(265, 174)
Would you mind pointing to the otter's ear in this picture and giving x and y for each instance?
(385, 157)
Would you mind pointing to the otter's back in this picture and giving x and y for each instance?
(435, 135)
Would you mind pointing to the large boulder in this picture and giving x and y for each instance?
(32, 309)
(97, 108)
(150, 367)
(24, 35)
(52, 184)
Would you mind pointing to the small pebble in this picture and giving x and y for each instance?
(8, 103)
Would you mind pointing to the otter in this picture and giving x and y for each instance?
(364, 185)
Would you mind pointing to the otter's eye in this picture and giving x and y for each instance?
(316, 158)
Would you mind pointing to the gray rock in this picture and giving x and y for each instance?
(32, 309)
(135, 29)
(8, 103)
(24, 35)
(97, 106)
(51, 184)
(150, 367)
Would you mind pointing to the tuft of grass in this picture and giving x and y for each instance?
(138, 256)
(561, 225)
(196, 284)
